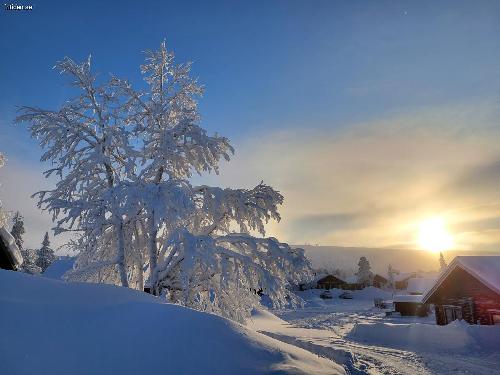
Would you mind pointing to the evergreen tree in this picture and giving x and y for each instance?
(442, 262)
(18, 229)
(365, 275)
(45, 255)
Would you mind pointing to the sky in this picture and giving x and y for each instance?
(369, 117)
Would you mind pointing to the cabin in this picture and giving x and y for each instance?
(469, 289)
(330, 282)
(410, 305)
(10, 256)
(379, 281)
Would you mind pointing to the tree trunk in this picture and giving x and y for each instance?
(121, 254)
(153, 254)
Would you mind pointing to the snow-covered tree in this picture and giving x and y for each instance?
(364, 274)
(45, 254)
(88, 144)
(29, 261)
(29, 255)
(125, 158)
(17, 230)
(391, 277)
(442, 262)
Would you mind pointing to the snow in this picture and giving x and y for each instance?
(456, 337)
(420, 285)
(49, 326)
(366, 341)
(59, 267)
(403, 276)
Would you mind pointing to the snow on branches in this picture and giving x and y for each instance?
(228, 274)
(124, 158)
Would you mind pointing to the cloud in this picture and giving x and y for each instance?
(371, 183)
(365, 184)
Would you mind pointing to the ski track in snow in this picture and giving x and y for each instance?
(322, 328)
(356, 358)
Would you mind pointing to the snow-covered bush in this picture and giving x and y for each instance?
(125, 158)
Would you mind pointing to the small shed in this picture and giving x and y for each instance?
(330, 282)
(410, 305)
(469, 289)
(10, 256)
(379, 281)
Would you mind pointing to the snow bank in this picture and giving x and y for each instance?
(57, 269)
(48, 326)
(457, 337)
(371, 292)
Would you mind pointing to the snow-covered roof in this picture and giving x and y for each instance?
(11, 246)
(408, 298)
(420, 285)
(404, 276)
(484, 268)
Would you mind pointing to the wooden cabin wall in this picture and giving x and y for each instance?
(462, 289)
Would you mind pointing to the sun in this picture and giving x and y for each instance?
(433, 235)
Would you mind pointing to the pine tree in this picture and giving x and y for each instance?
(45, 255)
(442, 262)
(18, 229)
(364, 274)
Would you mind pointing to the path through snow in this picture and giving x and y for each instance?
(323, 327)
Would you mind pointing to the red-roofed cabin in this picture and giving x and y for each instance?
(468, 289)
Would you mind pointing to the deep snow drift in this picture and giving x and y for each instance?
(51, 327)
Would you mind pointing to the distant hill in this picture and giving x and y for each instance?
(401, 259)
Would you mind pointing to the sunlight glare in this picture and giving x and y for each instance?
(433, 235)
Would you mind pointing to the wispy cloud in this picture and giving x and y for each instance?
(370, 184)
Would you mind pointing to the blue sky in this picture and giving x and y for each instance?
(291, 78)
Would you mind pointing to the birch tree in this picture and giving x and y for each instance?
(88, 145)
(125, 168)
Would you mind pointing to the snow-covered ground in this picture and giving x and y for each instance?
(360, 336)
(52, 327)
